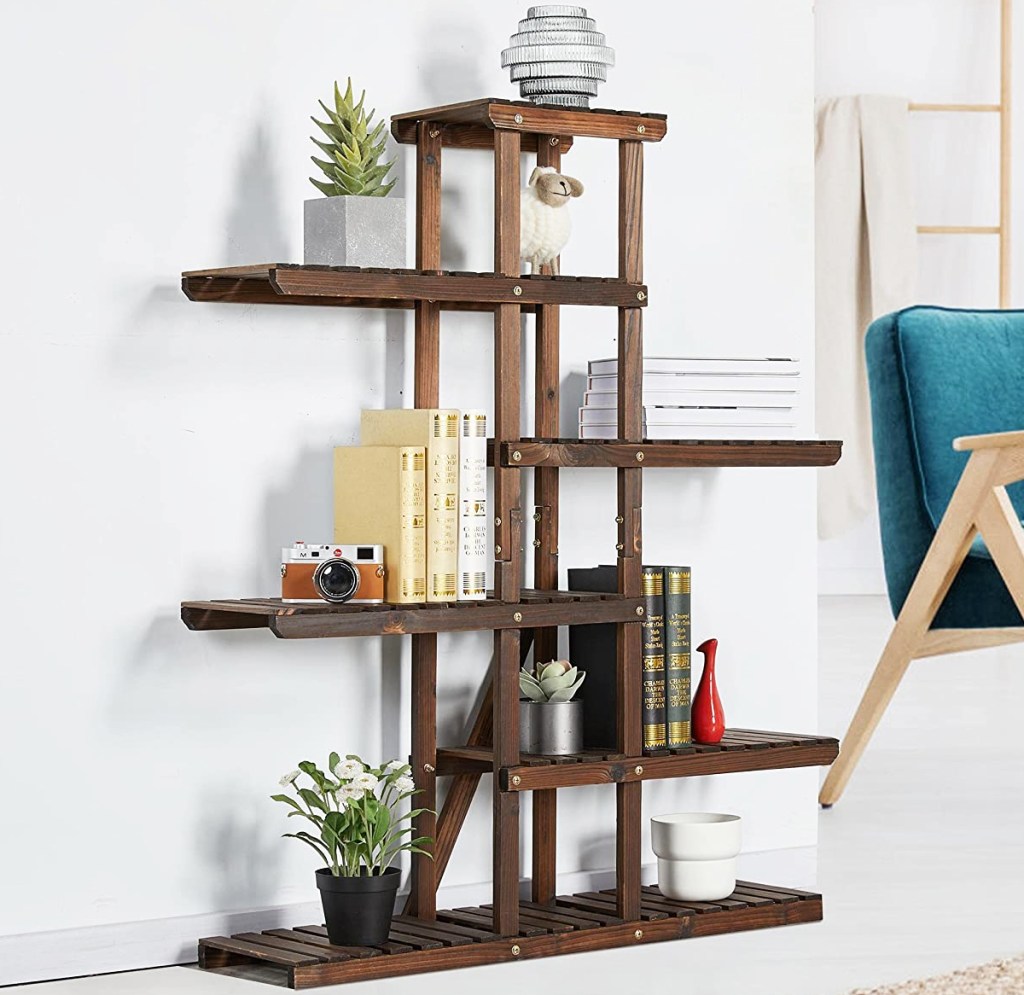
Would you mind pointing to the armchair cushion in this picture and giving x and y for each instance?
(924, 394)
(963, 373)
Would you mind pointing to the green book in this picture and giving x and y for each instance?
(654, 658)
(677, 655)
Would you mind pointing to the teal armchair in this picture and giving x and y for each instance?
(947, 413)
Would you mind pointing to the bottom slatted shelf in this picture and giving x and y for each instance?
(465, 938)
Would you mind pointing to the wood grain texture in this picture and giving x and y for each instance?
(428, 257)
(507, 372)
(423, 894)
(464, 937)
(495, 113)
(682, 453)
(545, 836)
(351, 287)
(505, 734)
(319, 621)
(471, 136)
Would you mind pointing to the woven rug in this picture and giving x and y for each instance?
(1000, 977)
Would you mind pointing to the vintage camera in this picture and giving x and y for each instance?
(332, 573)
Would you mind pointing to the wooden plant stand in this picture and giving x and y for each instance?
(424, 938)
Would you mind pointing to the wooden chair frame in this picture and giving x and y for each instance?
(979, 505)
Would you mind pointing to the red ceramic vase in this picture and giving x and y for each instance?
(707, 716)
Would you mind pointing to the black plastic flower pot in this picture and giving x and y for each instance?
(357, 911)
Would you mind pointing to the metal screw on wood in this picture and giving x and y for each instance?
(552, 141)
(518, 119)
(428, 768)
(639, 609)
(517, 616)
(619, 546)
(536, 542)
(638, 770)
(516, 456)
(640, 129)
(497, 550)
(641, 296)
(516, 779)
(619, 519)
(640, 456)
(536, 516)
(638, 934)
(517, 290)
(434, 133)
(516, 949)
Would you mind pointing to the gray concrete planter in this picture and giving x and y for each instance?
(553, 727)
(355, 231)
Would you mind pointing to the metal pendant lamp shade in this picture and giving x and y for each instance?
(558, 57)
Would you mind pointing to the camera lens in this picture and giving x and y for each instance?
(336, 580)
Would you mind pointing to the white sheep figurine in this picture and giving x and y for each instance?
(544, 224)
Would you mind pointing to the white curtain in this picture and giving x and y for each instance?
(866, 266)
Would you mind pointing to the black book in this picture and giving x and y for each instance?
(677, 655)
(592, 648)
(654, 658)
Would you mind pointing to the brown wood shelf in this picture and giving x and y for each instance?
(674, 453)
(535, 609)
(352, 286)
(303, 957)
(740, 750)
(472, 124)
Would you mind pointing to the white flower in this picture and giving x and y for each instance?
(349, 794)
(365, 781)
(290, 779)
(404, 784)
(395, 765)
(345, 770)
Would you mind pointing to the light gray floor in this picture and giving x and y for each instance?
(921, 864)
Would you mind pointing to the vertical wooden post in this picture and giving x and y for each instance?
(428, 256)
(423, 891)
(630, 428)
(545, 559)
(507, 521)
(1005, 151)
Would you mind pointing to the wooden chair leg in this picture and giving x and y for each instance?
(941, 564)
(892, 665)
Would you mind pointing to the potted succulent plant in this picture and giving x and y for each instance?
(355, 223)
(359, 833)
(549, 720)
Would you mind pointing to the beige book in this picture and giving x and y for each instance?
(437, 431)
(379, 498)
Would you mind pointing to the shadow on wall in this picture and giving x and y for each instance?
(254, 227)
(448, 74)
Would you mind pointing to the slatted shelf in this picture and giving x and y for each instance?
(673, 453)
(740, 750)
(320, 619)
(352, 286)
(464, 937)
(472, 123)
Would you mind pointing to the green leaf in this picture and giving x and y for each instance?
(288, 800)
(328, 189)
(321, 853)
(312, 799)
(566, 693)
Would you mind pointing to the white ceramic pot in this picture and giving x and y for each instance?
(696, 854)
(697, 880)
(696, 836)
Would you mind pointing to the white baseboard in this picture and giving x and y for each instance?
(28, 957)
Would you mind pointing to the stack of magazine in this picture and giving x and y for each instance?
(699, 398)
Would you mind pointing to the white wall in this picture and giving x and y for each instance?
(931, 51)
(158, 450)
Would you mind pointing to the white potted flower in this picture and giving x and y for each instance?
(355, 223)
(549, 720)
(359, 833)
